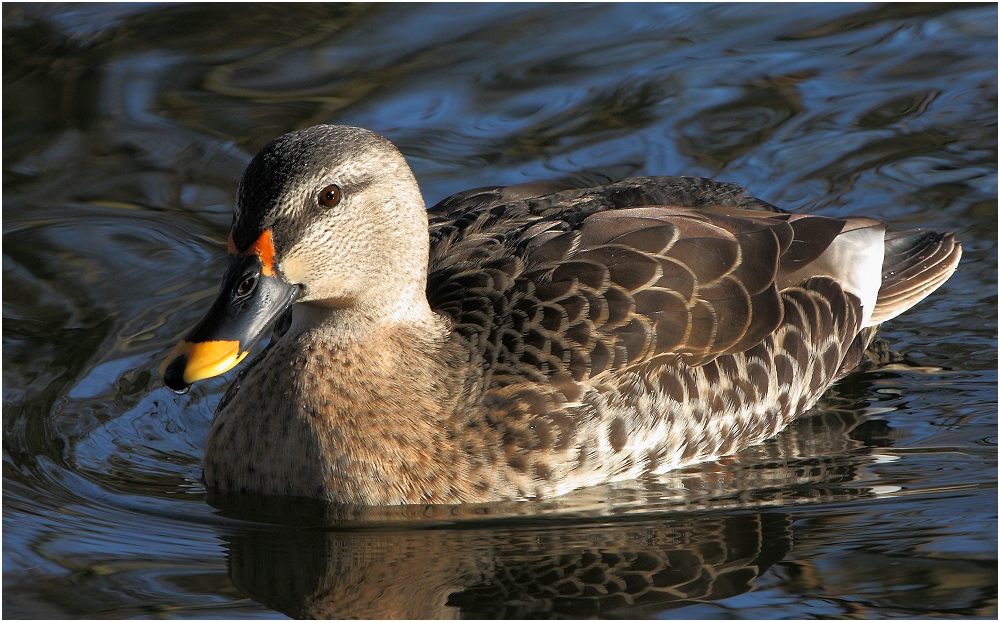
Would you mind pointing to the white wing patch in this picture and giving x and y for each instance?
(854, 259)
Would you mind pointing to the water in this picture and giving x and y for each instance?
(126, 128)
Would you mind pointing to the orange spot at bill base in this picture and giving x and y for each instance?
(263, 247)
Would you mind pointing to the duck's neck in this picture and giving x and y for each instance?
(343, 323)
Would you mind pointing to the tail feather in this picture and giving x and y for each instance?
(916, 263)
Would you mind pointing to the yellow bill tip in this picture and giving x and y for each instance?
(190, 362)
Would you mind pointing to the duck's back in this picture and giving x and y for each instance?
(600, 318)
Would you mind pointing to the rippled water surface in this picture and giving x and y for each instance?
(126, 128)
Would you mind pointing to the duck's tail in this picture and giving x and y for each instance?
(916, 263)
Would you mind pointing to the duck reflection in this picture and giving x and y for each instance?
(631, 569)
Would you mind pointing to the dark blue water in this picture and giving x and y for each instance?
(126, 128)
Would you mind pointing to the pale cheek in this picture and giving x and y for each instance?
(293, 269)
(335, 260)
(324, 276)
(311, 258)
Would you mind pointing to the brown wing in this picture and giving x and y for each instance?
(651, 280)
(572, 284)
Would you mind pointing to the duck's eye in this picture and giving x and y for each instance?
(245, 287)
(330, 196)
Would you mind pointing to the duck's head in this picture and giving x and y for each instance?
(329, 216)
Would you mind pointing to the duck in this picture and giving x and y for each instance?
(521, 342)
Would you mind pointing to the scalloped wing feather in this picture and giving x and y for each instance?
(582, 282)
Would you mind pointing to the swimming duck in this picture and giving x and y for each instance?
(521, 342)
